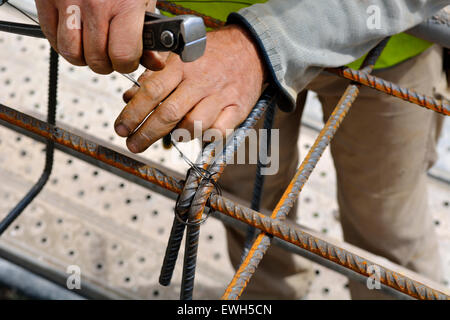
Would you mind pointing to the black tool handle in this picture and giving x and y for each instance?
(159, 30)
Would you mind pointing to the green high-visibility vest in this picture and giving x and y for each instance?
(399, 48)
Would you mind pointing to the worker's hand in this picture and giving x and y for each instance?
(104, 34)
(219, 89)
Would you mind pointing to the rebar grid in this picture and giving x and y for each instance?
(263, 241)
(195, 195)
(216, 202)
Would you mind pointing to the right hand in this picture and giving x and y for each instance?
(108, 37)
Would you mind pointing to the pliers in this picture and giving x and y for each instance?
(184, 35)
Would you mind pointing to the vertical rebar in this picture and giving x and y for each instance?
(50, 147)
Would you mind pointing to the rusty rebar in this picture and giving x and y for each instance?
(215, 168)
(191, 186)
(262, 242)
(294, 235)
(90, 148)
(216, 202)
(365, 79)
(179, 10)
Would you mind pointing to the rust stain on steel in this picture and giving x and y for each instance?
(259, 248)
(200, 197)
(179, 10)
(324, 249)
(226, 206)
(262, 242)
(440, 106)
(90, 148)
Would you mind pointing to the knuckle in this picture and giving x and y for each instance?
(125, 62)
(99, 65)
(72, 56)
(154, 88)
(94, 5)
(170, 113)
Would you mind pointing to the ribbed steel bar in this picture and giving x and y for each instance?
(179, 10)
(201, 195)
(49, 151)
(191, 186)
(89, 148)
(363, 78)
(262, 242)
(289, 233)
(258, 186)
(216, 202)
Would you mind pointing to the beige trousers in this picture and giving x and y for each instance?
(381, 153)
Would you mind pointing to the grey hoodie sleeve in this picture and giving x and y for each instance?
(298, 38)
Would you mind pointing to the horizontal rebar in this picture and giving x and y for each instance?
(90, 148)
(363, 78)
(342, 257)
(216, 202)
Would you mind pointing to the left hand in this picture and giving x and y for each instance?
(219, 89)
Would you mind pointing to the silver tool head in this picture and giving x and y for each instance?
(193, 31)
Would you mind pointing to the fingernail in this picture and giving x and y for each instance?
(122, 130)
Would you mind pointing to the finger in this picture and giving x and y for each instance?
(95, 39)
(48, 17)
(155, 87)
(125, 39)
(165, 117)
(205, 113)
(229, 118)
(130, 93)
(69, 38)
(153, 60)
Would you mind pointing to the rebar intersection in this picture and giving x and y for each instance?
(197, 194)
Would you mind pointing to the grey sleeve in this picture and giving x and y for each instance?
(299, 38)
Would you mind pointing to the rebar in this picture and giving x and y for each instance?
(49, 150)
(196, 193)
(179, 10)
(262, 242)
(291, 234)
(216, 202)
(365, 79)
